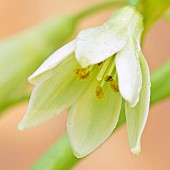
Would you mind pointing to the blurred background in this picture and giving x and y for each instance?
(19, 150)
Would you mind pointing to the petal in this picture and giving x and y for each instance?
(136, 117)
(54, 95)
(129, 72)
(46, 69)
(92, 120)
(94, 45)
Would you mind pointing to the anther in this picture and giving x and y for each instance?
(108, 79)
(114, 86)
(103, 69)
(82, 73)
(99, 92)
(113, 83)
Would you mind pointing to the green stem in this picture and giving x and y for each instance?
(12, 102)
(99, 7)
(60, 156)
(160, 84)
(135, 3)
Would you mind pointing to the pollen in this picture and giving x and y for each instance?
(100, 92)
(108, 79)
(114, 86)
(82, 73)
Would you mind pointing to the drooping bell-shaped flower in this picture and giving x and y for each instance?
(90, 75)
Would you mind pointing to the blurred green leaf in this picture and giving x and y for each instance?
(161, 88)
(58, 157)
(23, 53)
(167, 16)
(153, 10)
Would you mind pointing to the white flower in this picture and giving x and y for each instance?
(112, 67)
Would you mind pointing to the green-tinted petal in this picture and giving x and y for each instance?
(136, 117)
(45, 70)
(129, 72)
(92, 120)
(54, 95)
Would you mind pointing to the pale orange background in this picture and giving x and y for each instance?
(19, 150)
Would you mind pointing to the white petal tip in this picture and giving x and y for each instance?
(133, 102)
(136, 150)
(21, 127)
(30, 79)
(84, 62)
(78, 154)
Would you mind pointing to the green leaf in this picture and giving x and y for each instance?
(161, 89)
(153, 10)
(167, 16)
(58, 157)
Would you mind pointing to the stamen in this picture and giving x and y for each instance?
(111, 68)
(100, 92)
(114, 86)
(113, 82)
(82, 73)
(108, 78)
(103, 69)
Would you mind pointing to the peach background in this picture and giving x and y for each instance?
(19, 150)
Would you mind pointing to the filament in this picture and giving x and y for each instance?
(103, 69)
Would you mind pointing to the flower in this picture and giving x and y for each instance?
(90, 76)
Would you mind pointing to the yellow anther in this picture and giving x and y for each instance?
(114, 86)
(82, 73)
(108, 79)
(99, 92)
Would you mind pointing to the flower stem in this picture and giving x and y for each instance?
(99, 7)
(60, 156)
(5, 105)
(135, 3)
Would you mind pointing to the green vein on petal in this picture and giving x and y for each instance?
(54, 95)
(92, 120)
(136, 117)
